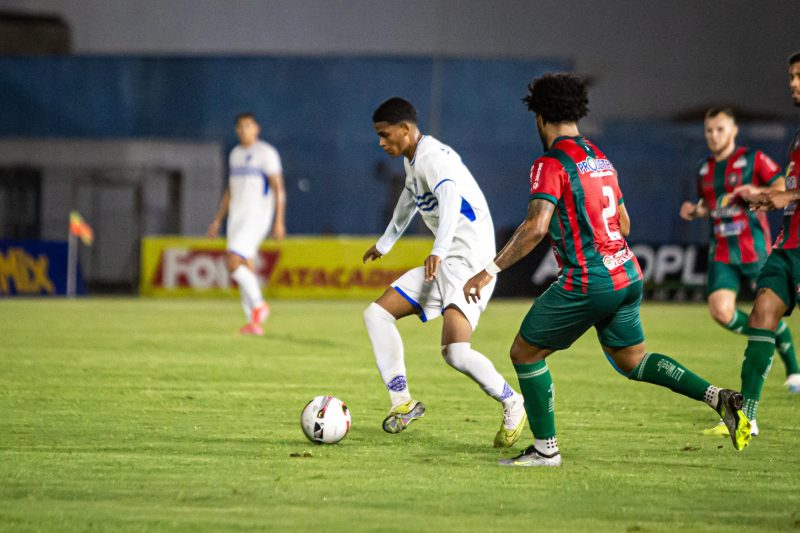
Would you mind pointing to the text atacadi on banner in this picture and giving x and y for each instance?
(297, 267)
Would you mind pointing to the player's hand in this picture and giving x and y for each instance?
(213, 229)
(688, 210)
(278, 232)
(773, 199)
(473, 286)
(431, 266)
(371, 255)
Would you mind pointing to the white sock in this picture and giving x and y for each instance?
(474, 364)
(711, 396)
(546, 447)
(248, 288)
(388, 348)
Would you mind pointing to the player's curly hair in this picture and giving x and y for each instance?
(394, 111)
(794, 58)
(558, 97)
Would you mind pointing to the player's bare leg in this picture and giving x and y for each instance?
(380, 318)
(242, 270)
(637, 364)
(722, 308)
(458, 353)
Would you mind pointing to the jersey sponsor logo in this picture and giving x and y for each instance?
(726, 207)
(704, 169)
(617, 259)
(535, 177)
(729, 229)
(596, 168)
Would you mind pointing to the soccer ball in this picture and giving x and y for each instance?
(325, 420)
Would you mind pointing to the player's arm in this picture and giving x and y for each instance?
(525, 238)
(772, 199)
(222, 212)
(279, 224)
(404, 212)
(449, 201)
(624, 220)
(766, 176)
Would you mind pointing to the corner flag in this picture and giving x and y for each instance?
(79, 228)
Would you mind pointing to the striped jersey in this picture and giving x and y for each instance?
(738, 235)
(592, 254)
(789, 236)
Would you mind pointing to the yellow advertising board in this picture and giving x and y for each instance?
(297, 267)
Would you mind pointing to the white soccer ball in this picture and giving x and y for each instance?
(325, 420)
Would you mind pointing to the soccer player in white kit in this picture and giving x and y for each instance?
(255, 196)
(440, 187)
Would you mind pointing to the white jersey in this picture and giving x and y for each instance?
(451, 203)
(252, 204)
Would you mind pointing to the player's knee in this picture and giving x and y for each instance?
(455, 354)
(721, 314)
(374, 314)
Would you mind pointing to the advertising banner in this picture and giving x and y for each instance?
(34, 268)
(671, 272)
(297, 267)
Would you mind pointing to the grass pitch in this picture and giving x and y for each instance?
(143, 415)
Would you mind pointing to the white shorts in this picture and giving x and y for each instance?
(244, 239)
(430, 299)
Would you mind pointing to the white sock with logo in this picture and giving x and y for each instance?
(474, 364)
(249, 289)
(388, 348)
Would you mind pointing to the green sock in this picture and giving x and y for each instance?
(785, 347)
(755, 367)
(738, 323)
(536, 385)
(665, 371)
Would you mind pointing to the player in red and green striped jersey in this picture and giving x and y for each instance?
(740, 238)
(575, 197)
(778, 284)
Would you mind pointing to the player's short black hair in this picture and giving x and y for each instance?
(244, 115)
(558, 97)
(794, 58)
(723, 110)
(394, 111)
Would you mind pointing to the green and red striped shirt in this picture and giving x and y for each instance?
(585, 230)
(738, 235)
(789, 236)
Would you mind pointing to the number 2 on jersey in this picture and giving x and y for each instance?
(609, 212)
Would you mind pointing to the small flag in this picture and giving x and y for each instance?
(79, 228)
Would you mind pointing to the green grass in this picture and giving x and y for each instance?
(125, 414)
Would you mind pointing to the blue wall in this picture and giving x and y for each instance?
(317, 112)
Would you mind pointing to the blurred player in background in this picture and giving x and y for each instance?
(575, 193)
(254, 199)
(452, 205)
(740, 238)
(779, 282)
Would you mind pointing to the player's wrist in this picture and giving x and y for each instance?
(492, 269)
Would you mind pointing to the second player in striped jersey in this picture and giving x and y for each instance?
(778, 285)
(740, 238)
